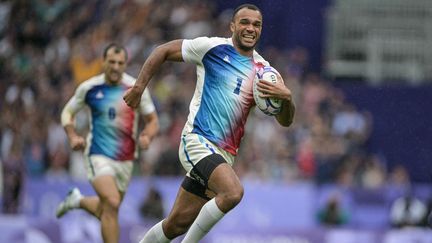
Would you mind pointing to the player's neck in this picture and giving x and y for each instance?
(248, 53)
(242, 51)
(111, 82)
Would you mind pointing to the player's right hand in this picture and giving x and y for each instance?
(132, 97)
(77, 143)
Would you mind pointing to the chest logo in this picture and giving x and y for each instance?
(99, 95)
(226, 59)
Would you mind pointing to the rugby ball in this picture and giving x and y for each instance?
(270, 106)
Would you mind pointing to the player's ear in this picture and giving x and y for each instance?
(232, 26)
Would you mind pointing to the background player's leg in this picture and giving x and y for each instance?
(110, 199)
(186, 208)
(91, 205)
(229, 192)
(75, 200)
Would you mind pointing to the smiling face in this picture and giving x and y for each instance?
(246, 27)
(114, 65)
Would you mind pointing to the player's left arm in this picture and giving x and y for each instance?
(286, 116)
(280, 91)
(150, 130)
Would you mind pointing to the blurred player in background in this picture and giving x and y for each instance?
(218, 111)
(111, 145)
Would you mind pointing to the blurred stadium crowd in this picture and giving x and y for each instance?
(48, 47)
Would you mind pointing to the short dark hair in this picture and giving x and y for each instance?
(117, 49)
(246, 5)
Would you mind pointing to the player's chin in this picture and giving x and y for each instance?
(247, 45)
(115, 78)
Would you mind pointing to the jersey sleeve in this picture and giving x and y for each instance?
(146, 105)
(73, 105)
(194, 50)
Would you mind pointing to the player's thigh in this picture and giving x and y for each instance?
(200, 158)
(194, 148)
(109, 178)
(106, 187)
(208, 164)
(223, 178)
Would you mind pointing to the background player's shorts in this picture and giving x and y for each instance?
(194, 147)
(98, 165)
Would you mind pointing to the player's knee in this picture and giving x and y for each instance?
(176, 226)
(179, 222)
(231, 198)
(111, 203)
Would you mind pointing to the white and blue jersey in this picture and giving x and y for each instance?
(113, 124)
(223, 95)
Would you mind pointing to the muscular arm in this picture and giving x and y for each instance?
(170, 51)
(286, 116)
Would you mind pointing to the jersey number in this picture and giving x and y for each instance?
(111, 113)
(239, 83)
